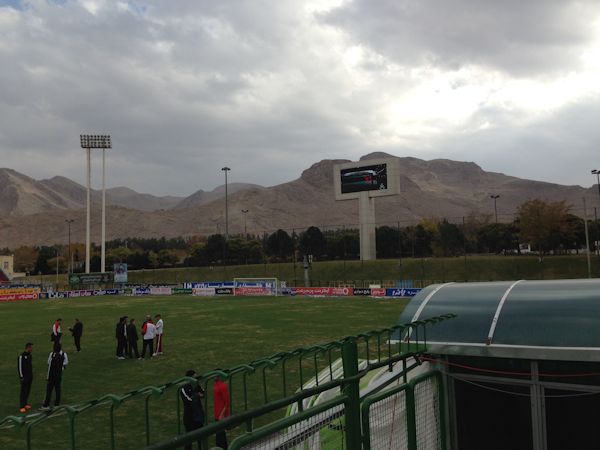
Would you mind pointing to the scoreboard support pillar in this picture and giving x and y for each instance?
(366, 214)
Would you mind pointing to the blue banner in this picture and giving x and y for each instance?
(401, 292)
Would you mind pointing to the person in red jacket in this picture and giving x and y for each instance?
(221, 402)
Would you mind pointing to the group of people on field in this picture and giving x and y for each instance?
(127, 337)
(57, 362)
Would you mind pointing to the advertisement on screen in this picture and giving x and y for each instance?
(364, 178)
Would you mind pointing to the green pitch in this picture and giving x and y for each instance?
(200, 333)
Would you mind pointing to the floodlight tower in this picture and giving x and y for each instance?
(88, 142)
(495, 197)
(226, 169)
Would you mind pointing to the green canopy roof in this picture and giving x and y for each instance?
(558, 319)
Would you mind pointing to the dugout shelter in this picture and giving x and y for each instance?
(521, 362)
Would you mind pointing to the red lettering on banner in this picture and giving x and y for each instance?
(378, 292)
(249, 290)
(13, 297)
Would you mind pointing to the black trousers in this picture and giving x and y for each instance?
(53, 384)
(121, 346)
(191, 426)
(77, 340)
(221, 440)
(133, 348)
(148, 343)
(25, 389)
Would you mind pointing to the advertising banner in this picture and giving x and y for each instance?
(378, 292)
(203, 292)
(322, 291)
(224, 291)
(250, 290)
(20, 290)
(82, 293)
(120, 272)
(163, 290)
(14, 297)
(141, 291)
(361, 291)
(109, 292)
(57, 295)
(179, 291)
(91, 278)
(400, 292)
(207, 284)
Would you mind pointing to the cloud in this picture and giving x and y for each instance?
(516, 37)
(268, 87)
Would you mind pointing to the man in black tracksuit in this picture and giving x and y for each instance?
(57, 361)
(25, 368)
(77, 331)
(193, 413)
(121, 335)
(132, 338)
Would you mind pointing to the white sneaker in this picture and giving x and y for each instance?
(44, 408)
(154, 354)
(120, 357)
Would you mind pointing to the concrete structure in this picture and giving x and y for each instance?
(7, 265)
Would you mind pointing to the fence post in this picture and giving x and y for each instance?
(351, 389)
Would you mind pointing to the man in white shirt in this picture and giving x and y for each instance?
(148, 332)
(159, 335)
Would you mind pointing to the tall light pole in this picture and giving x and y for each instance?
(495, 197)
(226, 169)
(88, 142)
(69, 264)
(244, 212)
(597, 173)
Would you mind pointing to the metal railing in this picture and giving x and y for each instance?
(261, 389)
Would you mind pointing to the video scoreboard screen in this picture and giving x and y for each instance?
(364, 178)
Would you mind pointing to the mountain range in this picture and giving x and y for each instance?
(33, 212)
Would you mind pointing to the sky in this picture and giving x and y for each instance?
(269, 87)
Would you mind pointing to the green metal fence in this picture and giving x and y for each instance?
(410, 416)
(281, 380)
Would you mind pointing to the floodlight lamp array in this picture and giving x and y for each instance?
(95, 141)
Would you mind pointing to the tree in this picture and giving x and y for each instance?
(312, 242)
(41, 263)
(542, 224)
(497, 238)
(388, 242)
(448, 240)
(279, 244)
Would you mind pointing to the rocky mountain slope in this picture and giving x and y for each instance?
(437, 188)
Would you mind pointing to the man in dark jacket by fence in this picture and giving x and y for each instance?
(121, 335)
(57, 361)
(193, 413)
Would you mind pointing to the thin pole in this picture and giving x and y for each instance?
(587, 239)
(226, 211)
(87, 221)
(597, 231)
(57, 268)
(103, 251)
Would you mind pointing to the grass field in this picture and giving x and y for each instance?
(200, 333)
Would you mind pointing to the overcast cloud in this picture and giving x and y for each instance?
(268, 87)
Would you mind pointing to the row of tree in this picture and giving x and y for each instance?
(545, 227)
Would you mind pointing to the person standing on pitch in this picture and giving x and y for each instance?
(57, 361)
(221, 404)
(56, 331)
(25, 368)
(148, 332)
(132, 338)
(77, 330)
(193, 413)
(159, 335)
(121, 335)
